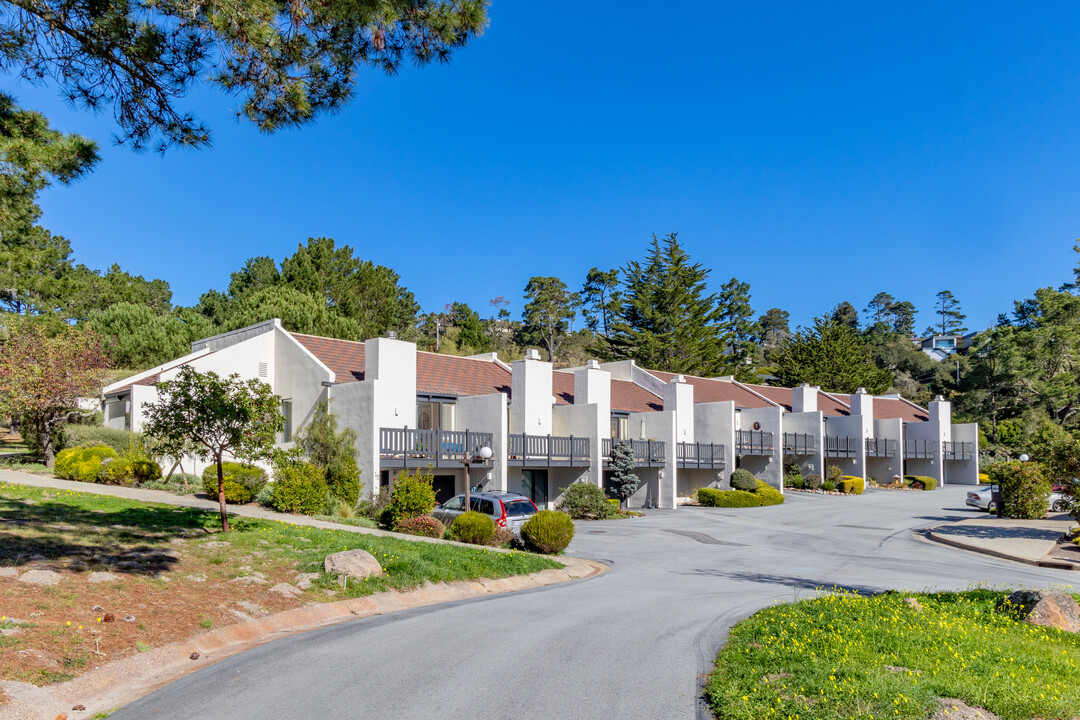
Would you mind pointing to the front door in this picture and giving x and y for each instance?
(534, 485)
(445, 487)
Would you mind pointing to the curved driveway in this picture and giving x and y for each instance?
(628, 644)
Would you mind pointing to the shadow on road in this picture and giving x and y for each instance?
(785, 581)
(991, 532)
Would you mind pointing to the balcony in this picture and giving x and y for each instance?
(880, 448)
(647, 453)
(700, 455)
(799, 444)
(409, 448)
(841, 446)
(920, 449)
(958, 450)
(547, 451)
(754, 442)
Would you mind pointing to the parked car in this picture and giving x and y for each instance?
(982, 500)
(508, 510)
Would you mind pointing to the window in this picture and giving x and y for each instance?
(619, 429)
(286, 410)
(481, 505)
(434, 414)
(456, 503)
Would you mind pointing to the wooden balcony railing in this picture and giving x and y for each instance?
(799, 444)
(841, 446)
(700, 455)
(920, 449)
(883, 448)
(407, 447)
(547, 450)
(754, 442)
(958, 450)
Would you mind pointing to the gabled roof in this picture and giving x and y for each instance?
(711, 390)
(625, 395)
(827, 403)
(886, 408)
(435, 374)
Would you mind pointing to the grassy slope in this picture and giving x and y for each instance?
(830, 657)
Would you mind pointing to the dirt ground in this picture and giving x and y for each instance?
(73, 596)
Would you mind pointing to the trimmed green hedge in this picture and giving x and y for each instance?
(851, 485)
(928, 482)
(763, 495)
(242, 482)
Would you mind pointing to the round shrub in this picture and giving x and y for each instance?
(920, 482)
(412, 495)
(828, 486)
(83, 463)
(300, 488)
(1024, 490)
(343, 478)
(473, 527)
(422, 525)
(767, 494)
(242, 482)
(743, 479)
(813, 482)
(851, 485)
(548, 531)
(585, 501)
(116, 472)
(712, 497)
(144, 470)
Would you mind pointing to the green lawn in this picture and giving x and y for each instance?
(406, 563)
(847, 656)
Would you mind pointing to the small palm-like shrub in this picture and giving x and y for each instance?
(585, 501)
(548, 531)
(83, 463)
(743, 479)
(920, 482)
(412, 495)
(299, 487)
(422, 525)
(814, 482)
(473, 527)
(242, 482)
(851, 485)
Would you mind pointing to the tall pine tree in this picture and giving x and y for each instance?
(666, 319)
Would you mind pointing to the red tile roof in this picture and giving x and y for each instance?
(435, 374)
(710, 390)
(827, 404)
(907, 411)
(625, 396)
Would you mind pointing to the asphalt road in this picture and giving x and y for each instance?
(629, 644)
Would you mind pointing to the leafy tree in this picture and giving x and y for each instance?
(1048, 338)
(333, 450)
(600, 297)
(470, 331)
(736, 323)
(993, 385)
(951, 320)
(624, 482)
(665, 319)
(34, 264)
(212, 416)
(548, 311)
(43, 375)
(832, 356)
(299, 312)
(774, 331)
(289, 62)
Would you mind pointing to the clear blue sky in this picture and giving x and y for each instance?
(820, 152)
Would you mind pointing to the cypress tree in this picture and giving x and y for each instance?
(665, 320)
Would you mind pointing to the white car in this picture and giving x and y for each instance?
(982, 500)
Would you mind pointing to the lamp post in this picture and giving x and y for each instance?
(482, 456)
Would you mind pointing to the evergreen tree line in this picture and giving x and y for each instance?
(659, 311)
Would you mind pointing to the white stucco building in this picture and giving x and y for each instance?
(548, 428)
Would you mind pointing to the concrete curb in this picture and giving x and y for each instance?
(123, 681)
(945, 540)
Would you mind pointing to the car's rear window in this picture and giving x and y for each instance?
(517, 508)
